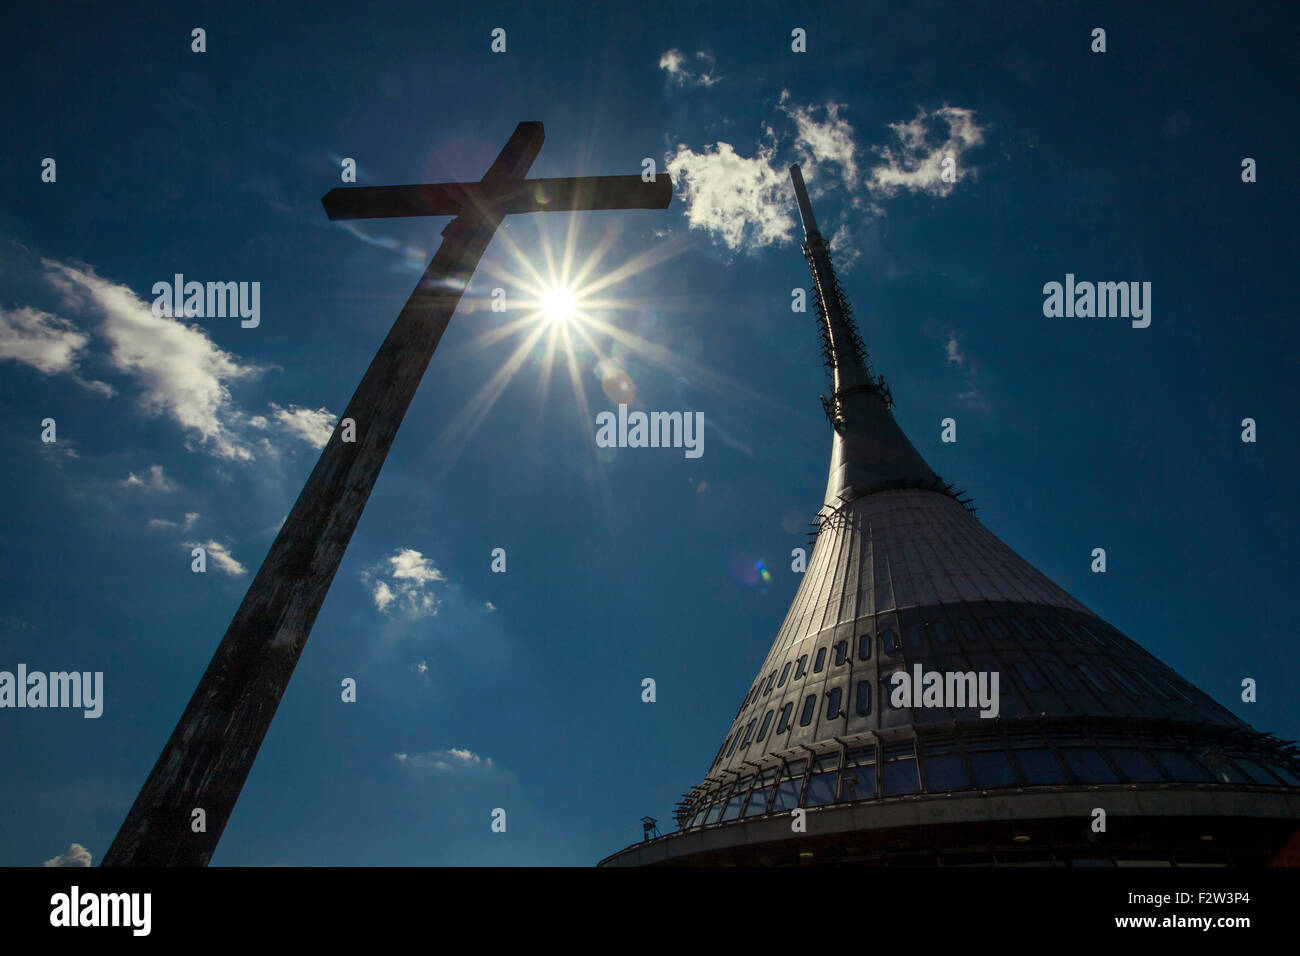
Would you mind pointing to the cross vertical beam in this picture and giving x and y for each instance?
(209, 755)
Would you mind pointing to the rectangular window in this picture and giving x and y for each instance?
(899, 770)
(1180, 766)
(1028, 677)
(1058, 674)
(1134, 765)
(1088, 765)
(967, 631)
(809, 706)
(940, 632)
(1118, 677)
(945, 772)
(768, 688)
(801, 668)
(833, 703)
(889, 641)
(783, 724)
(767, 722)
(758, 801)
(992, 768)
(785, 672)
(820, 661)
(864, 698)
(841, 652)
(913, 636)
(1091, 677)
(749, 732)
(995, 629)
(859, 783)
(1040, 766)
(864, 647)
(821, 789)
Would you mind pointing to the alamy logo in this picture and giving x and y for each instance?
(1084, 300)
(57, 689)
(215, 300)
(103, 909)
(656, 430)
(950, 689)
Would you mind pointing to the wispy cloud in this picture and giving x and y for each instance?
(684, 69)
(181, 372)
(454, 760)
(403, 581)
(220, 557)
(745, 201)
(44, 341)
(163, 523)
(914, 159)
(312, 426)
(972, 394)
(156, 481)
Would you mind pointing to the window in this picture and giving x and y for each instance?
(841, 652)
(733, 805)
(735, 740)
(940, 632)
(1070, 632)
(821, 789)
(1118, 677)
(790, 787)
(995, 629)
(761, 794)
(768, 688)
(945, 772)
(801, 668)
(992, 768)
(1179, 766)
(1028, 677)
(1091, 677)
(899, 771)
(820, 661)
(749, 732)
(1152, 684)
(968, 633)
(864, 698)
(809, 705)
(1093, 634)
(1134, 765)
(1088, 765)
(1041, 626)
(889, 641)
(864, 647)
(1059, 674)
(767, 722)
(1022, 631)
(783, 724)
(785, 672)
(833, 703)
(1040, 766)
(913, 638)
(858, 781)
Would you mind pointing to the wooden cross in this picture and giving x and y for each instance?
(210, 753)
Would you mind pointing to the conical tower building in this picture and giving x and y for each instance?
(932, 698)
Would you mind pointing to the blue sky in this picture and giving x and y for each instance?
(522, 690)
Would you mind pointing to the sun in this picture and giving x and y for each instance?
(559, 304)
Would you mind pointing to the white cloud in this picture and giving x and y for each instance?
(490, 606)
(915, 160)
(46, 342)
(675, 63)
(742, 201)
(955, 355)
(830, 141)
(190, 518)
(409, 575)
(76, 855)
(314, 427)
(420, 667)
(181, 372)
(844, 251)
(454, 760)
(747, 202)
(219, 556)
(157, 480)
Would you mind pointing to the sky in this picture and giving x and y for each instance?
(522, 689)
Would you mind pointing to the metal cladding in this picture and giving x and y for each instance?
(1023, 713)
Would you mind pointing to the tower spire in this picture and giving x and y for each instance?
(870, 452)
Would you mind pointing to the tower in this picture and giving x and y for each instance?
(932, 698)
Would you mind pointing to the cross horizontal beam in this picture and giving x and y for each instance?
(521, 195)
